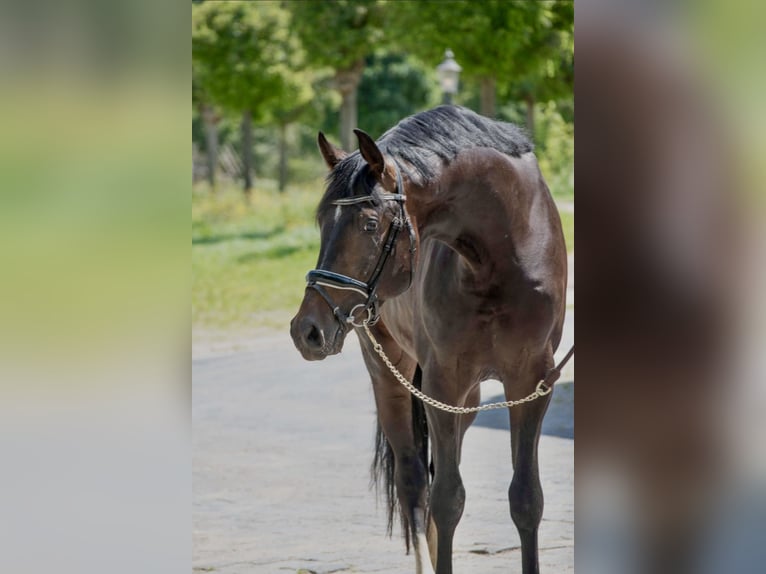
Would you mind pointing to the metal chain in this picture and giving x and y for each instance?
(540, 391)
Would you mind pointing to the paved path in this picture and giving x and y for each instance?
(282, 450)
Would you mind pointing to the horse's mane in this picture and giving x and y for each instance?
(427, 141)
(430, 139)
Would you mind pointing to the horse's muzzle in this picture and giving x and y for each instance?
(313, 340)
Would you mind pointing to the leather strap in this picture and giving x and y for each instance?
(336, 280)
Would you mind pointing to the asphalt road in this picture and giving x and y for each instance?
(282, 450)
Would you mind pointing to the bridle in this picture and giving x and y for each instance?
(318, 279)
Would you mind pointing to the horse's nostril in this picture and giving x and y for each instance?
(314, 337)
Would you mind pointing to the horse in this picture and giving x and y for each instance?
(450, 221)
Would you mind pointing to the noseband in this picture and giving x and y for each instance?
(318, 279)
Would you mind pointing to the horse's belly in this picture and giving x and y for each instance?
(515, 314)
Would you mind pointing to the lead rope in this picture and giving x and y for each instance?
(544, 387)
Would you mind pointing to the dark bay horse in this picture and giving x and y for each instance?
(443, 236)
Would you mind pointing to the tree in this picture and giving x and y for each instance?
(339, 34)
(244, 54)
(295, 104)
(209, 119)
(549, 74)
(393, 86)
(525, 47)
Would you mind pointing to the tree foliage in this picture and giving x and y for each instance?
(338, 33)
(527, 47)
(247, 57)
(393, 86)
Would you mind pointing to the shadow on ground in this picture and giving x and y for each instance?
(203, 239)
(274, 252)
(558, 421)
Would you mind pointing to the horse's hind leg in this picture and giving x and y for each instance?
(525, 493)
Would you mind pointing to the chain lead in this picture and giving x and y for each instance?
(540, 390)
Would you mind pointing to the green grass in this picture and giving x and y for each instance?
(249, 260)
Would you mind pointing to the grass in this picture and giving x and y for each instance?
(249, 260)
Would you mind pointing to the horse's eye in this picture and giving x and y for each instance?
(371, 225)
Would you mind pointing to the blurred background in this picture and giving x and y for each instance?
(267, 76)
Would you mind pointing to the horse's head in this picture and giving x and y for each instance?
(367, 248)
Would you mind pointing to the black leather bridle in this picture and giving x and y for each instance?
(318, 279)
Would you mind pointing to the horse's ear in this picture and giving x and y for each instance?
(370, 152)
(331, 154)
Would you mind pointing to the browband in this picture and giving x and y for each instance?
(370, 198)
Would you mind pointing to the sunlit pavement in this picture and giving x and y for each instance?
(282, 450)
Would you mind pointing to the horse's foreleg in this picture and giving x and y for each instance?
(447, 491)
(466, 421)
(395, 416)
(411, 485)
(525, 493)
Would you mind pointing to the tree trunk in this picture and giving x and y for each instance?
(282, 157)
(348, 120)
(210, 123)
(530, 100)
(247, 151)
(347, 83)
(488, 96)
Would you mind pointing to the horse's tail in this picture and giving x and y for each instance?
(384, 464)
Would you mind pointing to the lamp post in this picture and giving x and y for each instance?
(449, 73)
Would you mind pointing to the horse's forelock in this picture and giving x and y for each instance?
(348, 178)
